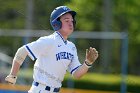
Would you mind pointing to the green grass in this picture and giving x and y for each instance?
(108, 78)
(96, 81)
(107, 82)
(92, 77)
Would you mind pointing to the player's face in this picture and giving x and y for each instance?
(67, 23)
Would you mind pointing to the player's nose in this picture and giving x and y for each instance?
(71, 23)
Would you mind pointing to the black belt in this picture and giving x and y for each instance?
(47, 87)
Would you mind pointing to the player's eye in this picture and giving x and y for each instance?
(67, 21)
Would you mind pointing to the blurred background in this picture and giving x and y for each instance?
(111, 26)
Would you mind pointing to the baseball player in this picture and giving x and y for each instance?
(54, 55)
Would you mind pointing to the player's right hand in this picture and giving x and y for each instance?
(11, 79)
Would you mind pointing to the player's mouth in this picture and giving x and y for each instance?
(71, 27)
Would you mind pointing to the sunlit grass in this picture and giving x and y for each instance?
(108, 78)
(91, 77)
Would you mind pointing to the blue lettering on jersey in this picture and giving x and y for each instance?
(64, 55)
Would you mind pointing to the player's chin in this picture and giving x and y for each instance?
(70, 31)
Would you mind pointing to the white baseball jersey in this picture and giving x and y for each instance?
(54, 56)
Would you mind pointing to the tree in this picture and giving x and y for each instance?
(125, 18)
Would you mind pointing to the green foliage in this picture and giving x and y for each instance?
(11, 14)
(108, 82)
(125, 17)
(125, 14)
(88, 19)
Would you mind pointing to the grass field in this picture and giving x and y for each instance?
(90, 82)
(63, 90)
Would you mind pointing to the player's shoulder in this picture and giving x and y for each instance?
(46, 39)
(71, 43)
(49, 37)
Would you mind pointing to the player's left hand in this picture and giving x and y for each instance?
(91, 55)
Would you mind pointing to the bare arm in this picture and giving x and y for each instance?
(15, 68)
(91, 56)
(17, 62)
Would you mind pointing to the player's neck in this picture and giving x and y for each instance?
(64, 35)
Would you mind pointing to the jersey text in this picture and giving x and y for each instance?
(64, 55)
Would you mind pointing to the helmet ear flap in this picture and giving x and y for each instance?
(56, 24)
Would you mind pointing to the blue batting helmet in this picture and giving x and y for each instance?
(57, 13)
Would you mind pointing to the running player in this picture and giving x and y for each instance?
(53, 55)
